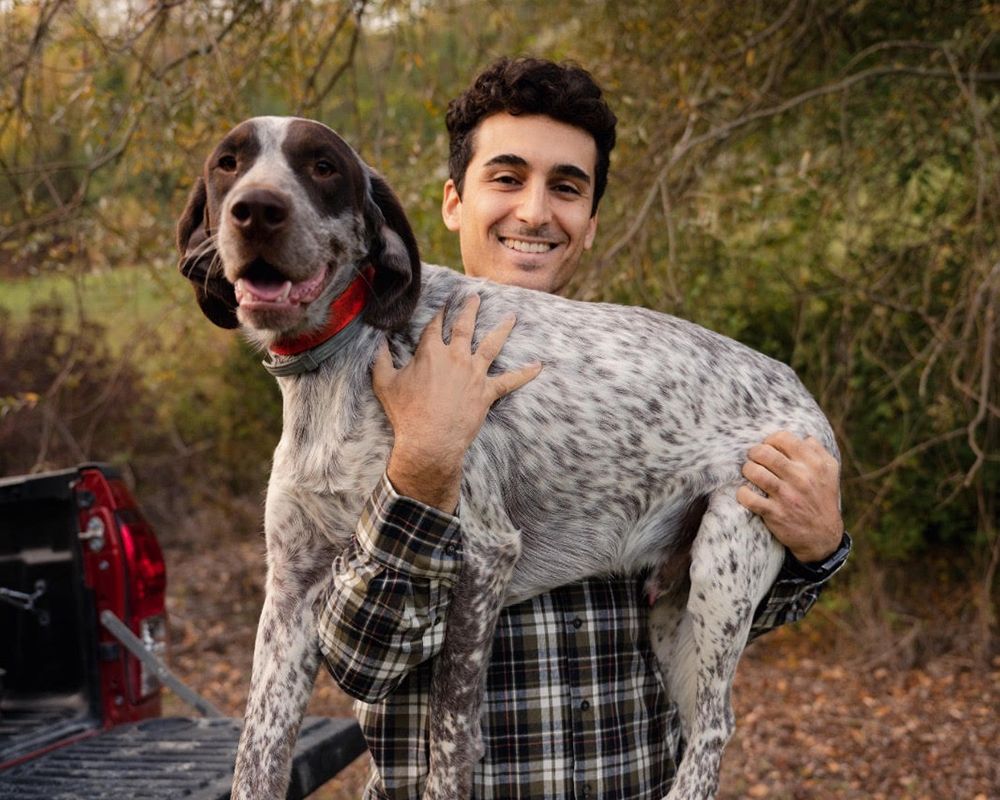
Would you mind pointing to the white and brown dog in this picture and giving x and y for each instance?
(624, 454)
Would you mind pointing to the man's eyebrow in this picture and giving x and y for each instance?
(559, 170)
(507, 159)
(571, 171)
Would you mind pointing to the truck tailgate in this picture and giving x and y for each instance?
(173, 757)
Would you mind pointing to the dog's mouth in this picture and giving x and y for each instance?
(261, 286)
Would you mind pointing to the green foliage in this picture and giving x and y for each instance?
(234, 418)
(818, 180)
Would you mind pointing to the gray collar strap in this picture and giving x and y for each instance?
(309, 360)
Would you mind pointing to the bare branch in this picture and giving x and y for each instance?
(321, 95)
(764, 35)
(718, 133)
(900, 458)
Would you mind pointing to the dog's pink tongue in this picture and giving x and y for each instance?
(269, 292)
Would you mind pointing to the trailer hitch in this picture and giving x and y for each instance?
(27, 602)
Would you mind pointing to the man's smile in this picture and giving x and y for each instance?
(526, 245)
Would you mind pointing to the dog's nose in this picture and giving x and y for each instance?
(260, 212)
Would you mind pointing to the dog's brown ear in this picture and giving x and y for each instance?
(199, 262)
(392, 250)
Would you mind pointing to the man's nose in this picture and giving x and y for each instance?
(534, 208)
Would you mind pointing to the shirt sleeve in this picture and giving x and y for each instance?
(384, 613)
(796, 589)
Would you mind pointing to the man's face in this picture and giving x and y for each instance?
(524, 214)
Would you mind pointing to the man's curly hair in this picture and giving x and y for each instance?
(565, 92)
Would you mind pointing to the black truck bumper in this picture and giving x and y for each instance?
(173, 757)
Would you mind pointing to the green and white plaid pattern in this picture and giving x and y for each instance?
(574, 703)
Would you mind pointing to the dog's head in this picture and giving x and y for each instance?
(284, 217)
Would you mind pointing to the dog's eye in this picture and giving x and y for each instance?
(324, 168)
(227, 163)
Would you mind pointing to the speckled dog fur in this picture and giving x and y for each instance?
(634, 431)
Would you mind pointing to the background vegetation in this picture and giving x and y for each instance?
(818, 179)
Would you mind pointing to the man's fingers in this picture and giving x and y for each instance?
(465, 320)
(761, 477)
(752, 501)
(808, 452)
(383, 369)
(507, 382)
(785, 442)
(790, 445)
(493, 342)
(432, 333)
(768, 456)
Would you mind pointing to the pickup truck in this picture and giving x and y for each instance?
(83, 628)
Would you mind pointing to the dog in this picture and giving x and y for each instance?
(624, 454)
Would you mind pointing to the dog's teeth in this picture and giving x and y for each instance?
(285, 291)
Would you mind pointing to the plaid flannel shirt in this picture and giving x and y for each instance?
(574, 704)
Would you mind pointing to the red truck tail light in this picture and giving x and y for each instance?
(125, 570)
(147, 586)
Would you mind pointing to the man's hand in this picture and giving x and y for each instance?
(437, 403)
(802, 483)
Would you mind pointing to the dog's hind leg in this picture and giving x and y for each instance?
(490, 552)
(734, 561)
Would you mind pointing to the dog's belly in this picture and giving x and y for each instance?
(588, 545)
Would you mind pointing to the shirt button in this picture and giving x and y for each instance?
(449, 549)
(578, 623)
(585, 705)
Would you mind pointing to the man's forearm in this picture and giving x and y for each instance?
(386, 610)
(434, 482)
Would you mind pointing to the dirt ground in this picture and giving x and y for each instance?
(812, 721)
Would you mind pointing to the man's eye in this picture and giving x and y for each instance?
(227, 163)
(567, 188)
(508, 180)
(324, 168)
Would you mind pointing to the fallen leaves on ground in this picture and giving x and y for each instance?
(812, 721)
(820, 725)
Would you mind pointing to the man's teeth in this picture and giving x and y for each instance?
(527, 247)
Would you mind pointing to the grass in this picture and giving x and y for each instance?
(112, 296)
(128, 301)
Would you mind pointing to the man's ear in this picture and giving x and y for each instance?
(392, 250)
(451, 206)
(199, 261)
(589, 236)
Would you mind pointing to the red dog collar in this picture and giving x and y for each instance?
(343, 310)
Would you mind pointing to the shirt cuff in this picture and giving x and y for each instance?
(818, 571)
(408, 536)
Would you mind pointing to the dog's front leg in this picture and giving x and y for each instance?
(286, 656)
(734, 561)
(490, 552)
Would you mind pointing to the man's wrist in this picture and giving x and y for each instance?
(818, 570)
(814, 555)
(433, 482)
(408, 536)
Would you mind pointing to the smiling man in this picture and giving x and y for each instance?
(574, 703)
(534, 213)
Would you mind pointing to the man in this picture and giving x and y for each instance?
(574, 701)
